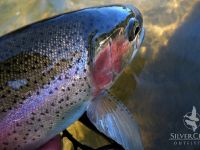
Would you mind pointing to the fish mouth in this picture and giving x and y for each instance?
(140, 38)
(138, 42)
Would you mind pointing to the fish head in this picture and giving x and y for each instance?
(114, 49)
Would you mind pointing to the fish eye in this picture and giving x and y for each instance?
(132, 29)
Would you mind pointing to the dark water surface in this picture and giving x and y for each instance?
(163, 82)
(170, 85)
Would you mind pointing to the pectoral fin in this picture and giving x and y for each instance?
(113, 119)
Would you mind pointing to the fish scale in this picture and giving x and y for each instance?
(55, 69)
(47, 72)
(60, 94)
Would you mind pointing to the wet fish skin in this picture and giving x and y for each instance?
(55, 84)
(45, 73)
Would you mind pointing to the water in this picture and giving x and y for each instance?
(163, 82)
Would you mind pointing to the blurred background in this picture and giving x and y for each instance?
(162, 83)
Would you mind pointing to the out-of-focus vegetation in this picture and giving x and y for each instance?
(161, 20)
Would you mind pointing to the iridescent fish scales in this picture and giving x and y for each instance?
(54, 70)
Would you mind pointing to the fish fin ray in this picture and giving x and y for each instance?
(113, 119)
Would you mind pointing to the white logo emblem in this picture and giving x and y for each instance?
(192, 120)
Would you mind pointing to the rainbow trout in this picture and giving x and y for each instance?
(54, 70)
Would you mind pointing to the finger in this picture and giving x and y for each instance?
(53, 144)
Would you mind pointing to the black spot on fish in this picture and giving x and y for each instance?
(68, 88)
(21, 102)
(57, 64)
(30, 123)
(5, 143)
(27, 85)
(17, 124)
(60, 78)
(70, 66)
(8, 91)
(50, 92)
(66, 77)
(67, 98)
(4, 110)
(38, 93)
(16, 96)
(33, 67)
(3, 96)
(42, 114)
(1, 88)
(46, 111)
(33, 113)
(43, 74)
(8, 71)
